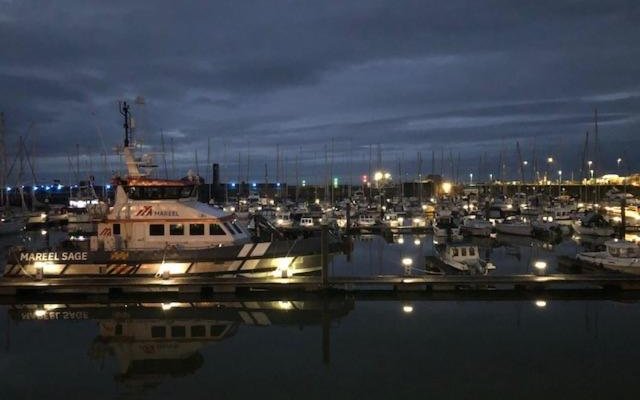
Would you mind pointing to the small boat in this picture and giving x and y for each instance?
(619, 255)
(444, 226)
(514, 226)
(283, 219)
(546, 226)
(11, 224)
(476, 227)
(593, 224)
(306, 222)
(366, 221)
(393, 220)
(465, 258)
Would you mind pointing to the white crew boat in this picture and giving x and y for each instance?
(465, 258)
(157, 227)
(619, 255)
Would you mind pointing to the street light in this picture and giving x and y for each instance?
(546, 173)
(619, 161)
(559, 181)
(471, 179)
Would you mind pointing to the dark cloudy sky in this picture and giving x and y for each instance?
(469, 77)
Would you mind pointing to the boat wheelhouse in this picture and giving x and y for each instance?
(158, 213)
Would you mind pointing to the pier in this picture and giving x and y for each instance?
(317, 284)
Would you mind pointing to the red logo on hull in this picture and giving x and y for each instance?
(145, 211)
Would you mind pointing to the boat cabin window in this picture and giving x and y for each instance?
(229, 228)
(178, 331)
(216, 230)
(472, 251)
(454, 252)
(198, 331)
(156, 230)
(217, 330)
(463, 251)
(236, 228)
(176, 229)
(158, 331)
(196, 229)
(116, 229)
(160, 192)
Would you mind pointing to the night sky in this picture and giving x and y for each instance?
(455, 77)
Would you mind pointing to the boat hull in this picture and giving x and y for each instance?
(626, 265)
(279, 258)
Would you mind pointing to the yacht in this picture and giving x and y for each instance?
(593, 224)
(444, 226)
(474, 226)
(514, 226)
(157, 227)
(619, 255)
(366, 221)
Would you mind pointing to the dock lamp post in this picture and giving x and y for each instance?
(619, 161)
(471, 179)
(524, 165)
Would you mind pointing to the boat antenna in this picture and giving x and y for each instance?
(124, 111)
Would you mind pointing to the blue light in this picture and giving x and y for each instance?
(47, 187)
(233, 184)
(59, 186)
(253, 184)
(108, 187)
(35, 187)
(278, 184)
(8, 188)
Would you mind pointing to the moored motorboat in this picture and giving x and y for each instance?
(476, 226)
(514, 226)
(619, 255)
(593, 224)
(465, 258)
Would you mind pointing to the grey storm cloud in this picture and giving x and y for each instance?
(468, 77)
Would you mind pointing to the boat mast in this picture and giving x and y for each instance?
(3, 166)
(131, 163)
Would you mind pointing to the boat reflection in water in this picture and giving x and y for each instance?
(156, 341)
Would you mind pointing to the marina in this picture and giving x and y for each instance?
(319, 200)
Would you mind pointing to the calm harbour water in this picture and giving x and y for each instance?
(373, 349)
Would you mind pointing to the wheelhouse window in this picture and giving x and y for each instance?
(160, 192)
(176, 229)
(229, 228)
(196, 229)
(236, 228)
(156, 230)
(217, 330)
(158, 331)
(198, 331)
(116, 229)
(178, 331)
(216, 230)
